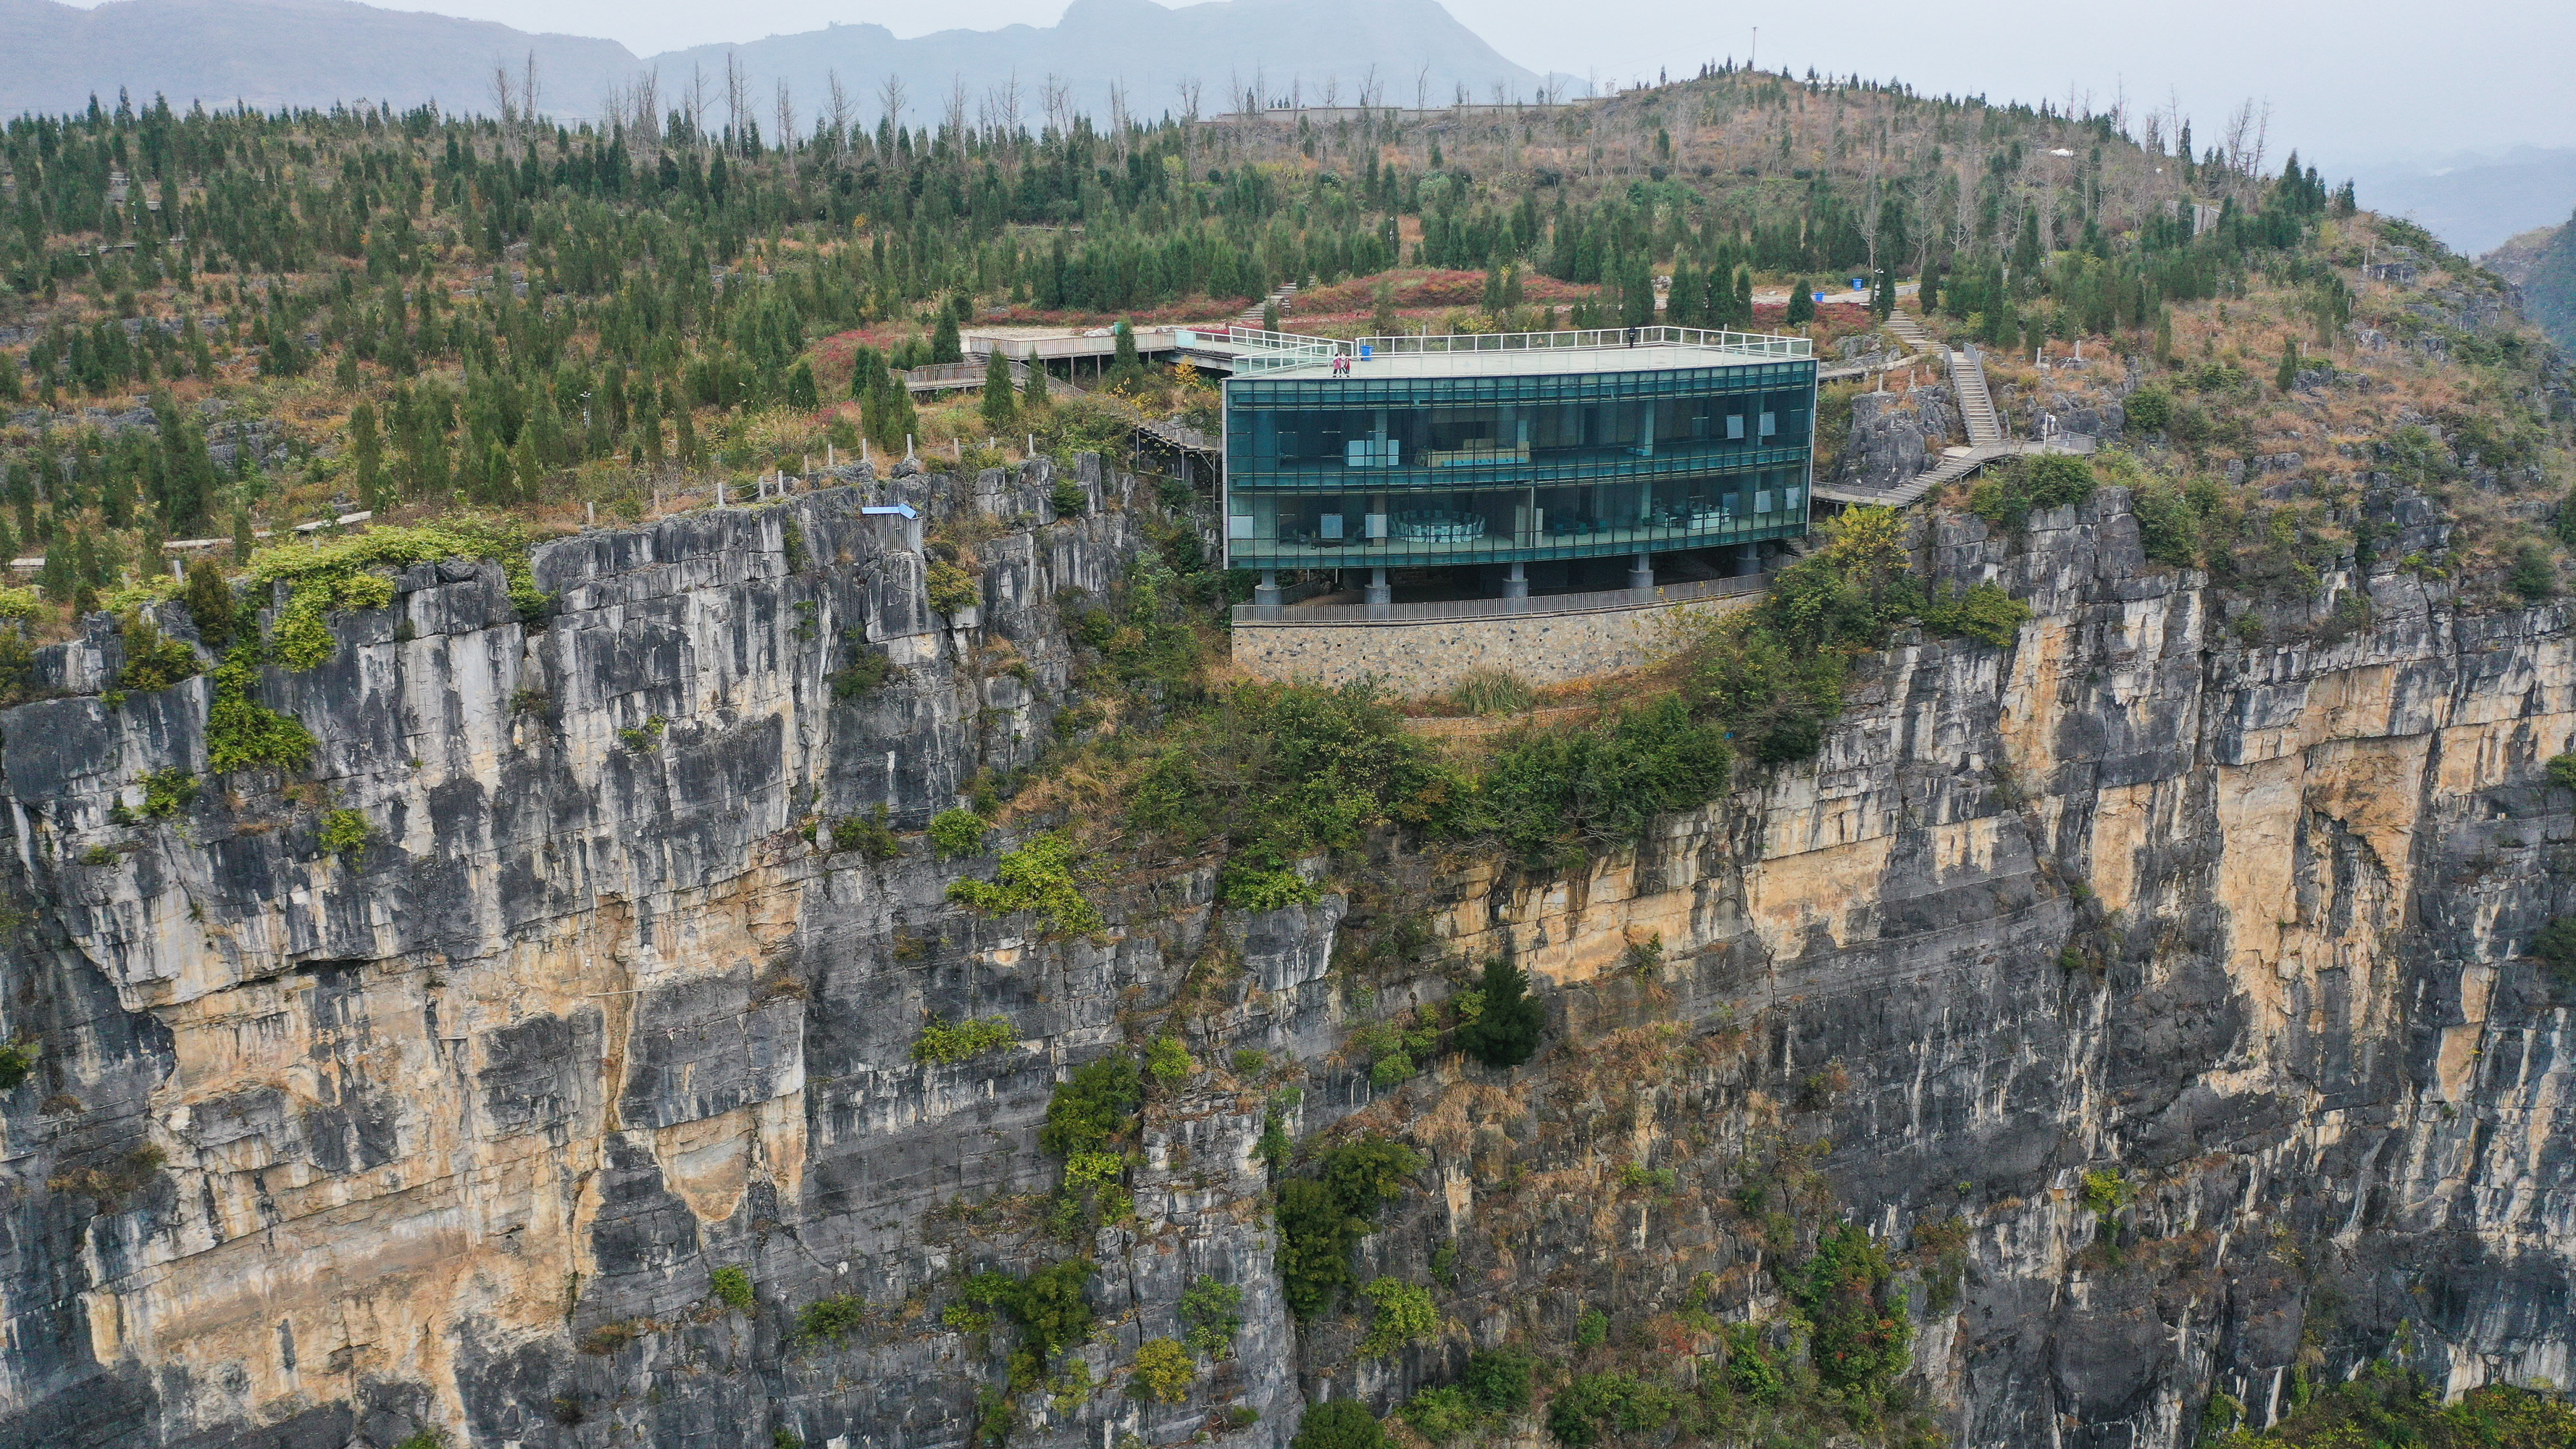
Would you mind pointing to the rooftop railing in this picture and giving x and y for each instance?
(1603, 601)
(1290, 349)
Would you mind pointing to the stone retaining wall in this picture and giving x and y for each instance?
(1432, 655)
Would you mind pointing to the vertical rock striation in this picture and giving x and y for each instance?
(455, 1129)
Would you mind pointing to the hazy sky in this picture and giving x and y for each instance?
(2350, 83)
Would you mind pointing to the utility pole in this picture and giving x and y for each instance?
(1755, 54)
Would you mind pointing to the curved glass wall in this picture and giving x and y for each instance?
(1362, 471)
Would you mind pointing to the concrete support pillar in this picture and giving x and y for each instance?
(1266, 593)
(1748, 559)
(1641, 571)
(1516, 583)
(1378, 592)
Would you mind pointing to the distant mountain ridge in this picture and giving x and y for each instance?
(273, 53)
(2543, 264)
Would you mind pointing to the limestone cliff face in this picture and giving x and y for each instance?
(454, 1131)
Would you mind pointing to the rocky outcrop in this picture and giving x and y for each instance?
(454, 1129)
(1895, 436)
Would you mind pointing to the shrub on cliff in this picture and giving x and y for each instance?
(1858, 1323)
(1341, 1424)
(1281, 771)
(1039, 877)
(943, 1042)
(1322, 1217)
(1094, 1108)
(242, 733)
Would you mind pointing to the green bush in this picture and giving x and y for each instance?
(1069, 498)
(1169, 1061)
(241, 733)
(210, 604)
(1405, 1314)
(943, 1043)
(1498, 1380)
(1750, 1371)
(1323, 1217)
(1248, 885)
(1164, 1372)
(959, 832)
(2562, 770)
(1340, 1424)
(1859, 1333)
(1591, 1328)
(1282, 772)
(2534, 574)
(153, 660)
(733, 1288)
(1036, 877)
(867, 669)
(831, 1319)
(2011, 492)
(1442, 1415)
(952, 590)
(1093, 1109)
(1214, 1313)
(1504, 1031)
(870, 834)
(1549, 796)
(2149, 409)
(1983, 612)
(345, 833)
(167, 792)
(644, 738)
(1053, 1307)
(2168, 528)
(17, 1060)
(1613, 1405)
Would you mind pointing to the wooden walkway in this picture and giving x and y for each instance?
(952, 376)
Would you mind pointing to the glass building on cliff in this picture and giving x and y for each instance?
(1499, 457)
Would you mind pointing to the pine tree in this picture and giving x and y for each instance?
(997, 409)
(366, 445)
(1882, 298)
(1802, 303)
(943, 341)
(210, 603)
(1033, 392)
(1506, 1030)
(801, 394)
(2287, 375)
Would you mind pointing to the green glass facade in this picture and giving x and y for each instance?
(1405, 471)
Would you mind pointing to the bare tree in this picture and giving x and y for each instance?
(786, 137)
(2240, 134)
(955, 117)
(1422, 87)
(1369, 87)
(1118, 117)
(505, 98)
(890, 91)
(843, 112)
(648, 107)
(1056, 94)
(697, 104)
(528, 89)
(737, 101)
(1332, 92)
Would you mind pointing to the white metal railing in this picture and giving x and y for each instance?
(1293, 349)
(1602, 601)
(1758, 344)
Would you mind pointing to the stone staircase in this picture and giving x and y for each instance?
(1251, 316)
(1976, 404)
(1986, 440)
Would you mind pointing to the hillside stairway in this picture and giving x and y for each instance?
(1986, 441)
(1976, 404)
(1251, 316)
